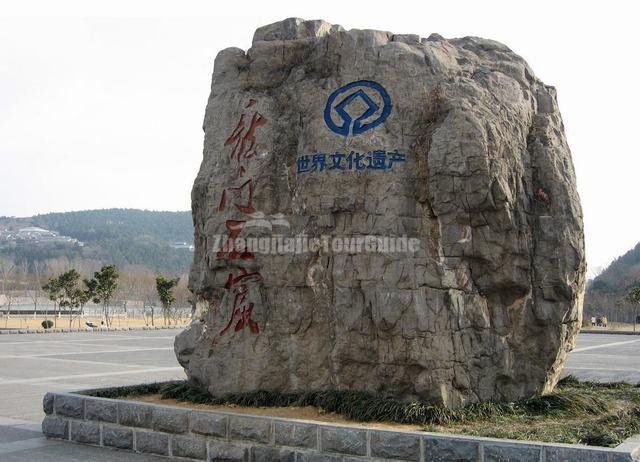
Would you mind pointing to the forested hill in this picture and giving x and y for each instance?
(98, 225)
(113, 236)
(622, 275)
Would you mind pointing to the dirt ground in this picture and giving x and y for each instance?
(28, 322)
(617, 326)
(302, 413)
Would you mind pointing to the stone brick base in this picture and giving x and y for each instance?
(185, 434)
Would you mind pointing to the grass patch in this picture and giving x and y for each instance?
(130, 390)
(576, 412)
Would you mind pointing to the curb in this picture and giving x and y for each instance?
(89, 331)
(199, 435)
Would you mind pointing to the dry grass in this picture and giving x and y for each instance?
(618, 326)
(28, 322)
(619, 420)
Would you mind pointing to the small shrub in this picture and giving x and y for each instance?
(128, 390)
(47, 324)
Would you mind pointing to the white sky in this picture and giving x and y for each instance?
(101, 103)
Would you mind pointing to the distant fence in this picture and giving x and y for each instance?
(118, 311)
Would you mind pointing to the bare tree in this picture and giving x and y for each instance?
(183, 300)
(22, 283)
(35, 281)
(145, 289)
(634, 297)
(126, 293)
(7, 284)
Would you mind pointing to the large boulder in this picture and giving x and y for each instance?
(452, 144)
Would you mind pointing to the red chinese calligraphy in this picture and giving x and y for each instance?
(244, 147)
(239, 288)
(243, 138)
(244, 208)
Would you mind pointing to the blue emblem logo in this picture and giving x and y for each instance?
(376, 101)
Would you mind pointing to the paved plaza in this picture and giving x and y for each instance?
(606, 358)
(32, 364)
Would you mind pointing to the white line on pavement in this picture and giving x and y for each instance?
(84, 376)
(99, 339)
(605, 345)
(111, 345)
(75, 361)
(45, 355)
(596, 369)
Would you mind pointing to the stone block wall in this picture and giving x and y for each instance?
(185, 434)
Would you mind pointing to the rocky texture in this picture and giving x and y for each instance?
(486, 309)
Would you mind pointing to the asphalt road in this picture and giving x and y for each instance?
(31, 365)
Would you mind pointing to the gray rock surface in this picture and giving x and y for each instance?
(489, 305)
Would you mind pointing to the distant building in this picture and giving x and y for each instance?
(182, 245)
(36, 236)
(34, 230)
